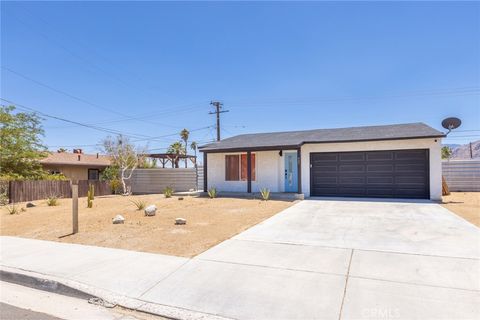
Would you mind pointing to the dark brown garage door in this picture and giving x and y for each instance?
(386, 174)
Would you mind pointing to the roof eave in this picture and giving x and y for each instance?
(285, 147)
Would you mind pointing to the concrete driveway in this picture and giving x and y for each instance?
(338, 259)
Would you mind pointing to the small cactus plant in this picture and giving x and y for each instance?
(265, 193)
(90, 195)
(168, 192)
(212, 193)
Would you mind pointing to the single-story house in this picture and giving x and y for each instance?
(76, 165)
(389, 161)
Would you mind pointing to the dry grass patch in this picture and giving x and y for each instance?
(209, 222)
(464, 204)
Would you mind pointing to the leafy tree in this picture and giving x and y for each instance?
(446, 152)
(176, 149)
(184, 134)
(21, 147)
(124, 155)
(194, 147)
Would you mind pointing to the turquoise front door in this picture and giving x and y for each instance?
(291, 171)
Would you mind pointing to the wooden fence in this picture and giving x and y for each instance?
(155, 180)
(462, 175)
(20, 191)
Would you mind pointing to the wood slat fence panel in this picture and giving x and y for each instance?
(462, 175)
(21, 191)
(101, 188)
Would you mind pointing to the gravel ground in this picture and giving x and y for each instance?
(209, 222)
(464, 204)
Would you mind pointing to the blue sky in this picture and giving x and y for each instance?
(275, 65)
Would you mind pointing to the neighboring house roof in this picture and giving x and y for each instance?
(76, 159)
(294, 139)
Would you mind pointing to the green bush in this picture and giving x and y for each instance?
(168, 192)
(52, 201)
(140, 204)
(115, 186)
(265, 193)
(212, 193)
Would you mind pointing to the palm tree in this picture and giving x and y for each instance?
(194, 146)
(184, 135)
(176, 149)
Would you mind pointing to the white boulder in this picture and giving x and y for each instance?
(151, 210)
(119, 219)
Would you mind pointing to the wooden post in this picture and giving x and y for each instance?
(74, 206)
(299, 170)
(205, 170)
(249, 171)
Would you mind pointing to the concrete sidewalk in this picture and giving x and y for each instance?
(319, 259)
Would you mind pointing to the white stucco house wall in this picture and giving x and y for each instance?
(391, 161)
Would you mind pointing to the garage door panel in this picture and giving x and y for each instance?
(410, 180)
(323, 168)
(351, 191)
(410, 167)
(383, 168)
(392, 173)
(352, 168)
(415, 155)
(380, 192)
(351, 156)
(379, 156)
(326, 191)
(318, 180)
(352, 180)
(327, 157)
(380, 180)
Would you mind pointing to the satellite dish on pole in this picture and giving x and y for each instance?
(451, 123)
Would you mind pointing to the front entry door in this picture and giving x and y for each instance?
(291, 180)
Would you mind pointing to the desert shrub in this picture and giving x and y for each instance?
(212, 193)
(52, 201)
(168, 192)
(140, 204)
(265, 193)
(55, 177)
(3, 194)
(12, 209)
(115, 186)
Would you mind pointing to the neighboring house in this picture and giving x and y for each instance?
(391, 161)
(76, 165)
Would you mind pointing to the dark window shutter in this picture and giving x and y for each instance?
(232, 169)
(244, 167)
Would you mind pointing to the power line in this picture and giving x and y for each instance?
(299, 101)
(69, 121)
(127, 117)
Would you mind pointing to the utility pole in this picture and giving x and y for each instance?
(218, 109)
(471, 153)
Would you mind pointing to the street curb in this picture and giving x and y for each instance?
(82, 291)
(43, 284)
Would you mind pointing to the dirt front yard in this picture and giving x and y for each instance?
(209, 222)
(464, 204)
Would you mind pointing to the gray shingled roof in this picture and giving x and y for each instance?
(274, 140)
